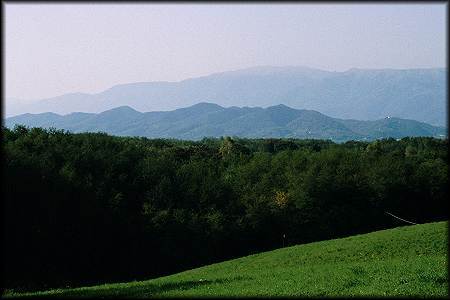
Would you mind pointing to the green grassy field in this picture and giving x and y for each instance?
(410, 261)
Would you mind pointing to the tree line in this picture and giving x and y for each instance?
(91, 208)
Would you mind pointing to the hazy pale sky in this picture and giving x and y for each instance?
(52, 49)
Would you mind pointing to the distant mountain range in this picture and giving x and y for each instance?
(363, 94)
(211, 120)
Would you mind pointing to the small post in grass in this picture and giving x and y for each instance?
(284, 236)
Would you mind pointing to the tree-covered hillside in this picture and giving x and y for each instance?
(92, 208)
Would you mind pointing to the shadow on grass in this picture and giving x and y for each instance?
(140, 290)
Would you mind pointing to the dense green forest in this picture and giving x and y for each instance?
(90, 208)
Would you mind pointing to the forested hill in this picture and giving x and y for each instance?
(84, 209)
(211, 120)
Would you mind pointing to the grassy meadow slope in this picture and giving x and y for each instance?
(409, 260)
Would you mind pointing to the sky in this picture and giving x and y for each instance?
(53, 49)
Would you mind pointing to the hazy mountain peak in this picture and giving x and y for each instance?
(206, 105)
(121, 111)
(123, 108)
(279, 106)
(203, 107)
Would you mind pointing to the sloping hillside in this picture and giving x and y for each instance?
(410, 261)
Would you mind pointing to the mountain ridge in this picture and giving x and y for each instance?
(365, 94)
(212, 120)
